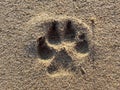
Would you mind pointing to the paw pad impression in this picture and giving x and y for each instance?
(63, 42)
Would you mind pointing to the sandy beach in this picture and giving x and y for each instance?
(59, 45)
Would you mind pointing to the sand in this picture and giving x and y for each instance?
(59, 45)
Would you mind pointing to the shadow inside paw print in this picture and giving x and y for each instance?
(53, 33)
(44, 51)
(56, 44)
(62, 60)
(82, 46)
(69, 31)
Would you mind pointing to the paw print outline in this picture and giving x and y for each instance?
(64, 42)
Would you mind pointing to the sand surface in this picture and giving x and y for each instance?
(59, 44)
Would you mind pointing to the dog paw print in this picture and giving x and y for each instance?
(64, 42)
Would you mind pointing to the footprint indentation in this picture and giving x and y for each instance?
(65, 43)
(53, 33)
(62, 60)
(44, 51)
(82, 37)
(69, 31)
(82, 46)
(51, 69)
